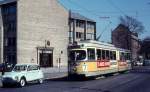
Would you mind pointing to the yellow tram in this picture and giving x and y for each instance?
(93, 58)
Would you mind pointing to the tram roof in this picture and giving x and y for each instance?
(92, 43)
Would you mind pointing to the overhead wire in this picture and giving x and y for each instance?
(115, 6)
(83, 8)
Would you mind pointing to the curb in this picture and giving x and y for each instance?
(48, 76)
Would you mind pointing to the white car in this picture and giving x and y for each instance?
(22, 74)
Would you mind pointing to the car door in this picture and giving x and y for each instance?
(31, 75)
(40, 73)
(35, 72)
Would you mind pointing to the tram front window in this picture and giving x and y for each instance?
(77, 55)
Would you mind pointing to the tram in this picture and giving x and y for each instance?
(93, 58)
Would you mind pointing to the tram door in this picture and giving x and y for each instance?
(46, 59)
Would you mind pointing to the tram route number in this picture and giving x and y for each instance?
(84, 67)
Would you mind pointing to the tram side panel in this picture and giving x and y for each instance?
(124, 64)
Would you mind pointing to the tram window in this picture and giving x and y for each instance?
(77, 55)
(91, 54)
(128, 56)
(107, 55)
(111, 55)
(114, 55)
(99, 54)
(122, 56)
(103, 54)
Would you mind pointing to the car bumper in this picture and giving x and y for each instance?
(9, 81)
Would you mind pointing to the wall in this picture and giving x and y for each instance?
(39, 21)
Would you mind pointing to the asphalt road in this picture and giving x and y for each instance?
(134, 81)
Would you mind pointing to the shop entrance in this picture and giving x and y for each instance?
(45, 56)
(46, 59)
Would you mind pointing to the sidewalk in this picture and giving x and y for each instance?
(55, 72)
(55, 75)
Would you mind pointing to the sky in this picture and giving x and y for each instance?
(106, 13)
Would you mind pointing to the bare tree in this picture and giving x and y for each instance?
(133, 24)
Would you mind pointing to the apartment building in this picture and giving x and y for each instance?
(122, 37)
(81, 28)
(34, 31)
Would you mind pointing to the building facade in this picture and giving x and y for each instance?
(34, 31)
(81, 28)
(123, 38)
(145, 48)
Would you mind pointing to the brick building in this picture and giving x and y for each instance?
(34, 31)
(122, 37)
(81, 28)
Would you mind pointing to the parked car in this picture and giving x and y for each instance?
(22, 74)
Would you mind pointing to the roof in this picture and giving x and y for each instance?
(80, 17)
(7, 1)
(91, 43)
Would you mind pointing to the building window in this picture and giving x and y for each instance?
(80, 24)
(70, 34)
(90, 36)
(90, 26)
(6, 42)
(79, 35)
(9, 15)
(11, 58)
(10, 42)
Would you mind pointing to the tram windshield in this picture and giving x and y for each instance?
(77, 55)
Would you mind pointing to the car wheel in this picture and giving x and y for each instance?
(22, 82)
(40, 81)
